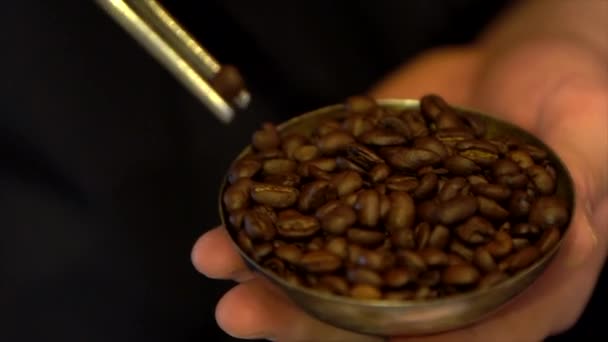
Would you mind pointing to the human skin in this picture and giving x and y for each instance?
(549, 77)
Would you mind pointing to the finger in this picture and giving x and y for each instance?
(215, 256)
(258, 310)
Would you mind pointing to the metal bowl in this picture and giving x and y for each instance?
(389, 318)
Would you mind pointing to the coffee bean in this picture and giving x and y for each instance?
(368, 207)
(505, 167)
(460, 275)
(542, 179)
(364, 237)
(325, 164)
(403, 238)
(516, 181)
(360, 104)
(428, 211)
(275, 196)
(320, 262)
(526, 230)
(520, 204)
(429, 278)
(422, 233)
(480, 157)
(537, 153)
(262, 250)
(461, 166)
(344, 164)
(484, 260)
(495, 192)
(243, 168)
(327, 126)
(432, 105)
(236, 196)
(401, 183)
(520, 243)
(365, 292)
(289, 180)
(364, 276)
(290, 253)
(374, 260)
(426, 187)
(477, 144)
(245, 242)
(549, 239)
(326, 208)
(385, 206)
(491, 210)
(339, 219)
(475, 123)
(398, 277)
(292, 142)
(522, 158)
(382, 137)
(457, 209)
(448, 119)
(409, 159)
(523, 258)
(396, 125)
(451, 188)
(316, 244)
(492, 279)
(306, 152)
(425, 292)
(402, 213)
(415, 123)
(267, 138)
(356, 124)
(461, 250)
(476, 230)
(440, 237)
(337, 246)
(336, 284)
(259, 226)
(278, 166)
(453, 136)
(351, 199)
(236, 218)
(363, 156)
(276, 266)
(432, 144)
(227, 82)
(501, 245)
(434, 257)
(454, 259)
(412, 260)
(334, 142)
(475, 180)
(297, 226)
(379, 173)
(549, 211)
(315, 194)
(347, 182)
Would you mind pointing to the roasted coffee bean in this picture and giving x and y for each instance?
(461, 250)
(291, 143)
(316, 244)
(475, 123)
(491, 210)
(537, 153)
(244, 242)
(262, 250)
(243, 168)
(416, 125)
(454, 259)
(360, 104)
(315, 194)
(236, 218)
(523, 258)
(398, 277)
(396, 125)
(379, 173)
(374, 259)
(347, 182)
(409, 159)
(270, 154)
(297, 226)
(401, 183)
(520, 243)
(461, 166)
(380, 189)
(475, 230)
(480, 157)
(267, 211)
(551, 171)
(363, 276)
(368, 207)
(363, 156)
(236, 196)
(516, 181)
(429, 278)
(334, 142)
(475, 180)
(385, 206)
(351, 199)
(542, 179)
(476, 144)
(365, 292)
(427, 211)
(289, 180)
(403, 238)
(434, 257)
(460, 275)
(275, 196)
(326, 127)
(320, 262)
(306, 152)
(453, 136)
(522, 158)
(356, 124)
(505, 167)
(549, 239)
(520, 204)
(495, 192)
(227, 82)
(440, 237)
(457, 209)
(339, 219)
(278, 166)
(451, 188)
(427, 186)
(501, 245)
(526, 230)
(492, 279)
(484, 260)
(549, 211)
(412, 260)
(432, 105)
(267, 138)
(402, 213)
(325, 164)
(432, 144)
(425, 292)
(364, 237)
(422, 233)
(337, 246)
(336, 284)
(276, 266)
(343, 164)
(382, 137)
(327, 208)
(259, 226)
(318, 174)
(448, 119)
(290, 253)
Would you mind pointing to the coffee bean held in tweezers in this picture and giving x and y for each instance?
(401, 205)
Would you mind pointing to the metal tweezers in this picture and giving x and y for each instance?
(166, 40)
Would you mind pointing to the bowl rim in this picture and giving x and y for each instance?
(536, 269)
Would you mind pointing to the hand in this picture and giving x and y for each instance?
(256, 309)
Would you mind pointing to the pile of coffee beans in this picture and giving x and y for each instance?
(400, 205)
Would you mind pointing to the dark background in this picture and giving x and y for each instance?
(109, 169)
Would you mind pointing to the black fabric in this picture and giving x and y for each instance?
(109, 169)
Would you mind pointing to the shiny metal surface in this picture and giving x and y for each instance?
(386, 318)
(167, 41)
